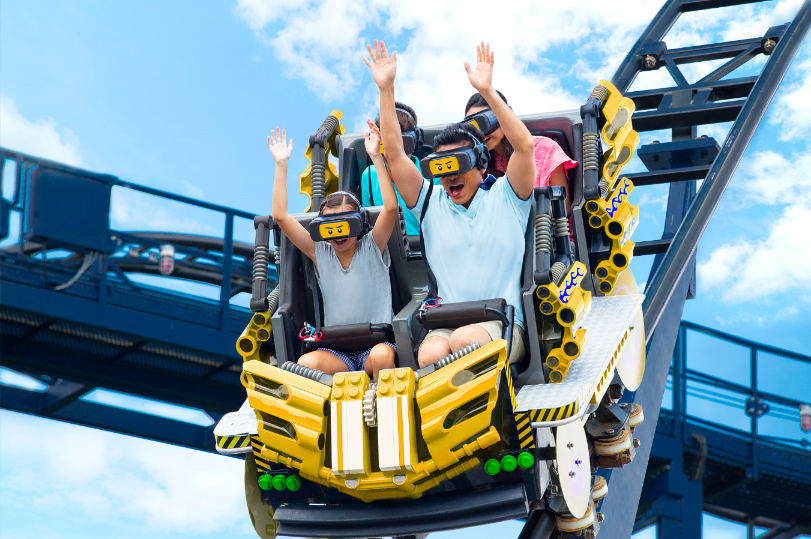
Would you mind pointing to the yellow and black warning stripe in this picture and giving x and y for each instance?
(524, 427)
(262, 465)
(233, 442)
(510, 385)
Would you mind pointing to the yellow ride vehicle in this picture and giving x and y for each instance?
(472, 439)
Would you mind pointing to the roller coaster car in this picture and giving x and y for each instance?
(471, 439)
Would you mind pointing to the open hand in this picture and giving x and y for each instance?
(279, 147)
(371, 139)
(383, 67)
(482, 78)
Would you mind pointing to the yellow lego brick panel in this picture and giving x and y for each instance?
(569, 302)
(290, 413)
(457, 401)
(258, 331)
(618, 156)
(396, 427)
(349, 432)
(349, 386)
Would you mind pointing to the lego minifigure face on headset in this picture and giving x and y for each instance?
(459, 179)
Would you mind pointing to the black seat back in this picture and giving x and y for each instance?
(300, 298)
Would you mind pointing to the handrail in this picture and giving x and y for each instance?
(746, 342)
(685, 382)
(26, 163)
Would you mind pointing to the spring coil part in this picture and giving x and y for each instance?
(277, 256)
(604, 186)
(558, 270)
(562, 226)
(450, 358)
(600, 92)
(319, 181)
(307, 372)
(591, 151)
(261, 255)
(273, 300)
(543, 233)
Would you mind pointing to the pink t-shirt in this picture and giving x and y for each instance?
(548, 157)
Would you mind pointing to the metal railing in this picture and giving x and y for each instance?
(687, 382)
(221, 262)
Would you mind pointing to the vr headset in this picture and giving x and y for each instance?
(485, 121)
(456, 160)
(341, 225)
(413, 139)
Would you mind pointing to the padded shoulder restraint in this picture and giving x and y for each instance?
(432, 286)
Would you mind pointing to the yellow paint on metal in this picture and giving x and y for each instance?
(569, 302)
(350, 436)
(330, 172)
(283, 401)
(615, 216)
(396, 425)
(292, 424)
(450, 414)
(249, 343)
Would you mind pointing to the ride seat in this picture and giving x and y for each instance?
(300, 295)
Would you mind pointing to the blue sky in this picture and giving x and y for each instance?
(181, 95)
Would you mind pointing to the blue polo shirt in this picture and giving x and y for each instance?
(476, 253)
(411, 222)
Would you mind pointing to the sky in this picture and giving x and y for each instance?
(180, 96)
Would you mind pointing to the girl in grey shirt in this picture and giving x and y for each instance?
(353, 272)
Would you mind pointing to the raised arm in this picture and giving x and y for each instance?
(406, 176)
(281, 150)
(521, 168)
(385, 221)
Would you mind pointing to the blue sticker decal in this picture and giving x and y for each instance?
(617, 200)
(568, 285)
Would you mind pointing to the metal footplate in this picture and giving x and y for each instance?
(607, 330)
(233, 432)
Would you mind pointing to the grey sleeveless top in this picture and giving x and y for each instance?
(360, 294)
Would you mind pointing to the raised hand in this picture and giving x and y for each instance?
(371, 140)
(383, 67)
(482, 78)
(279, 146)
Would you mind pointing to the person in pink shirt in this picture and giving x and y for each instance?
(551, 161)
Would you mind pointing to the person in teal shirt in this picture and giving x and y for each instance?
(369, 187)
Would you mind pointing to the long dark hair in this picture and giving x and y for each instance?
(476, 100)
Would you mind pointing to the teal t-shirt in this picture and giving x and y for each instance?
(411, 222)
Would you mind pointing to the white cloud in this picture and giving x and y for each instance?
(111, 477)
(322, 43)
(41, 138)
(756, 267)
(790, 110)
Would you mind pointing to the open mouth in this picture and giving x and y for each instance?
(340, 242)
(456, 189)
(487, 139)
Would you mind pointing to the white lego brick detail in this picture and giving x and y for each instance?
(605, 325)
(337, 435)
(405, 438)
(354, 442)
(387, 427)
